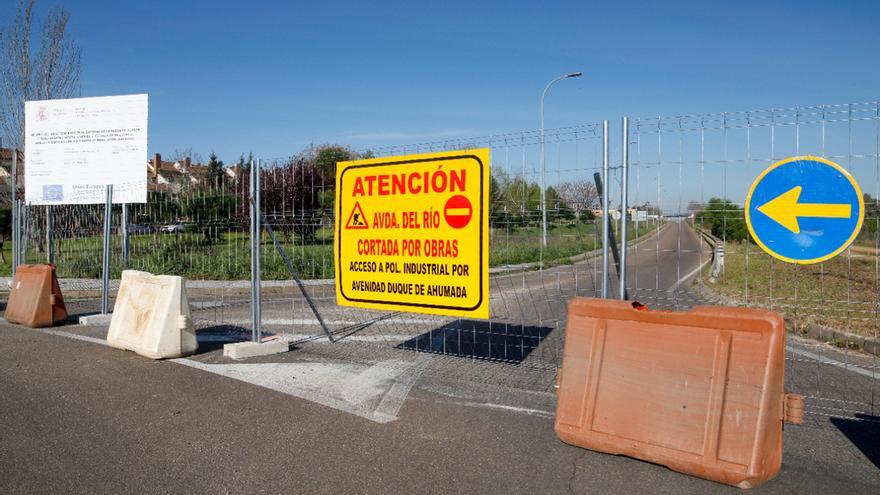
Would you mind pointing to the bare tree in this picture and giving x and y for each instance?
(579, 195)
(45, 70)
(48, 71)
(180, 154)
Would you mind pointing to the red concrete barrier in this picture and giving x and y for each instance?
(700, 392)
(35, 298)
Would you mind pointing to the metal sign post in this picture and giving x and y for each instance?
(50, 237)
(256, 332)
(126, 246)
(624, 187)
(105, 272)
(23, 232)
(16, 211)
(606, 225)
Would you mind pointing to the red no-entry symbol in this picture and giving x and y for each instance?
(458, 211)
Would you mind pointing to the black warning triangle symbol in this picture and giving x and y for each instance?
(357, 219)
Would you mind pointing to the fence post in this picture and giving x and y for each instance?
(50, 238)
(105, 272)
(605, 214)
(259, 229)
(16, 228)
(126, 247)
(256, 332)
(624, 189)
(23, 233)
(251, 245)
(16, 233)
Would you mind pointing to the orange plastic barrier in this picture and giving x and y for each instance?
(35, 297)
(700, 392)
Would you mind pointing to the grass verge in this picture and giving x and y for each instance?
(227, 257)
(842, 293)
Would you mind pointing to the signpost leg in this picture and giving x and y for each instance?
(23, 235)
(259, 230)
(50, 240)
(624, 189)
(105, 273)
(16, 231)
(126, 247)
(256, 332)
(16, 234)
(605, 213)
(612, 242)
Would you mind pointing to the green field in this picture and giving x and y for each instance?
(228, 256)
(841, 293)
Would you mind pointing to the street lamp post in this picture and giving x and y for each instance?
(543, 167)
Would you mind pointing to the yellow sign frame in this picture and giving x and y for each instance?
(416, 254)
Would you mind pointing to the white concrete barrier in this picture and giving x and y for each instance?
(152, 316)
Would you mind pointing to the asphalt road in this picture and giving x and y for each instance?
(364, 416)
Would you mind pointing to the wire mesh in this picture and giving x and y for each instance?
(688, 178)
(699, 169)
(530, 283)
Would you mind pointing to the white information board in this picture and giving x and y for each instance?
(75, 147)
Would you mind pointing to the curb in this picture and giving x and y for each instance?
(837, 337)
(814, 331)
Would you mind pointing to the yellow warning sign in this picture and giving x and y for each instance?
(356, 220)
(412, 233)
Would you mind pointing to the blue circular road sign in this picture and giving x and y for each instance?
(804, 210)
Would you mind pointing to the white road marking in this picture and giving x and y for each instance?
(61, 333)
(693, 272)
(833, 362)
(394, 399)
(372, 392)
(687, 277)
(521, 410)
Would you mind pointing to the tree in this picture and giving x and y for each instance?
(650, 209)
(522, 200)
(724, 218)
(694, 206)
(5, 229)
(325, 157)
(872, 217)
(498, 214)
(580, 196)
(214, 174)
(291, 195)
(181, 154)
(160, 208)
(210, 213)
(557, 209)
(244, 165)
(47, 71)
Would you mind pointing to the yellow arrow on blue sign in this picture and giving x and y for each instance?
(785, 209)
(804, 209)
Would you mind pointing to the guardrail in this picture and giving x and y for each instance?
(717, 253)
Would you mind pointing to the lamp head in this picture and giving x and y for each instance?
(575, 74)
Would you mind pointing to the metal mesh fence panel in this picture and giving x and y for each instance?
(700, 167)
(530, 283)
(687, 244)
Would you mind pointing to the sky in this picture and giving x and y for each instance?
(273, 77)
